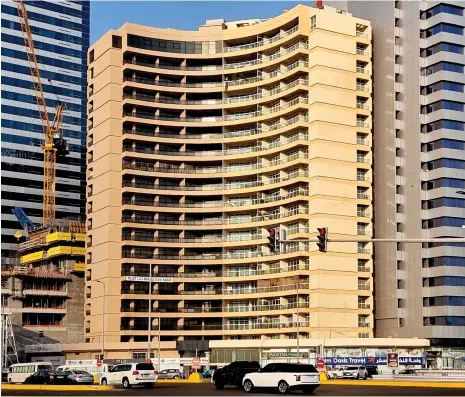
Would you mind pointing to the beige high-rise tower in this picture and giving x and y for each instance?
(198, 143)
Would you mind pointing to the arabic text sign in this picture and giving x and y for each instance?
(52, 348)
(371, 361)
(147, 279)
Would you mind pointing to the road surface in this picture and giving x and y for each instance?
(207, 389)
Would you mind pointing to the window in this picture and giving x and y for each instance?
(444, 104)
(312, 22)
(442, 8)
(453, 281)
(139, 355)
(443, 27)
(444, 261)
(444, 163)
(443, 222)
(446, 66)
(447, 124)
(446, 47)
(455, 321)
(91, 56)
(116, 42)
(145, 367)
(442, 85)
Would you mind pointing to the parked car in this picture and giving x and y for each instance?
(78, 377)
(232, 374)
(372, 370)
(129, 375)
(283, 377)
(170, 374)
(408, 372)
(41, 377)
(355, 373)
(335, 373)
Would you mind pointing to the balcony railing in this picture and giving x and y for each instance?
(363, 214)
(363, 287)
(364, 306)
(263, 59)
(363, 178)
(362, 124)
(362, 70)
(265, 325)
(363, 52)
(226, 221)
(363, 269)
(361, 34)
(363, 196)
(226, 152)
(363, 160)
(216, 187)
(162, 83)
(363, 232)
(250, 80)
(363, 250)
(362, 88)
(362, 105)
(253, 290)
(157, 65)
(362, 324)
(262, 42)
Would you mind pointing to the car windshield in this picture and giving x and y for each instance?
(81, 372)
(351, 368)
(145, 367)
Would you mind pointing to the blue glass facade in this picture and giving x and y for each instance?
(61, 38)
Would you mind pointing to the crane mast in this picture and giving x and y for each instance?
(53, 132)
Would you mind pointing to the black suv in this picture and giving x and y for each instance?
(233, 373)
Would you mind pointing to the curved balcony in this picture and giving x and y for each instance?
(263, 42)
(251, 219)
(215, 187)
(304, 266)
(265, 325)
(265, 59)
(158, 65)
(229, 117)
(227, 205)
(142, 80)
(151, 98)
(263, 146)
(201, 171)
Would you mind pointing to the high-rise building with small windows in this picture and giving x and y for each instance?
(61, 38)
(203, 143)
(419, 168)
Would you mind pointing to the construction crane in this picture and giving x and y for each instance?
(54, 143)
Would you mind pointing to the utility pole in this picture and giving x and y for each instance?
(149, 338)
(298, 325)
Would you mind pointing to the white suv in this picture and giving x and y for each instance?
(355, 373)
(283, 377)
(130, 374)
(335, 373)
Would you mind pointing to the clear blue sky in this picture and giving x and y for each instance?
(187, 15)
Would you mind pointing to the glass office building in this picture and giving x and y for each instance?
(61, 38)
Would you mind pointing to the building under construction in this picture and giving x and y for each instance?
(45, 288)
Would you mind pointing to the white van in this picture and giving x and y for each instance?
(17, 373)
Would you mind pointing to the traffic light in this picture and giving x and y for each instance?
(322, 237)
(272, 240)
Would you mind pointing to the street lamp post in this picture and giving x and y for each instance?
(298, 325)
(103, 317)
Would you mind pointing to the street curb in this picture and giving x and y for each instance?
(56, 387)
(445, 385)
(174, 381)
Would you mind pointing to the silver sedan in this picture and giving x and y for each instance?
(80, 377)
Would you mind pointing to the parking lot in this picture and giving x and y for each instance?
(207, 389)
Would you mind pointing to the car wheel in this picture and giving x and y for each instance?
(219, 385)
(126, 383)
(358, 376)
(104, 382)
(365, 377)
(248, 386)
(176, 377)
(283, 387)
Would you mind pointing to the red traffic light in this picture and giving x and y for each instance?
(272, 232)
(322, 231)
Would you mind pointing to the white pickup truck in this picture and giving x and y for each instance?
(283, 377)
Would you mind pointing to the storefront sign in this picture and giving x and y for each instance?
(31, 349)
(335, 361)
(393, 360)
(147, 279)
(55, 360)
(81, 362)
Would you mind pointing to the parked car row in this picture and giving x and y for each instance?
(352, 372)
(44, 377)
(281, 377)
